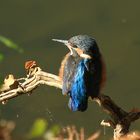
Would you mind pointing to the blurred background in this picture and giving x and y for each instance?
(33, 23)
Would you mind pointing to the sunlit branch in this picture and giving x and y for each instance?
(120, 120)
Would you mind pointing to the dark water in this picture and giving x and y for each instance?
(33, 23)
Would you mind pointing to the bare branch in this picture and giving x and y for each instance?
(29, 84)
(120, 119)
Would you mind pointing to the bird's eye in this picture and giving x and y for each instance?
(74, 46)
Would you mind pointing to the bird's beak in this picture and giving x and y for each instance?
(73, 51)
(61, 41)
(66, 43)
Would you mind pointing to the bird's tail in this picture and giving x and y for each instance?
(76, 105)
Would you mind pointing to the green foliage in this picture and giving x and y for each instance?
(38, 128)
(10, 44)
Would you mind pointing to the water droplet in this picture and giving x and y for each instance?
(48, 111)
(50, 115)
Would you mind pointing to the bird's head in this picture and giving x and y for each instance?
(81, 45)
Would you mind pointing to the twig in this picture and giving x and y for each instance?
(121, 120)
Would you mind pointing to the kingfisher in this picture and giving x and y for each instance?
(82, 71)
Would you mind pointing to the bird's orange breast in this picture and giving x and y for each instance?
(61, 70)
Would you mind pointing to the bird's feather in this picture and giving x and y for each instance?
(61, 70)
(78, 92)
(94, 77)
(68, 74)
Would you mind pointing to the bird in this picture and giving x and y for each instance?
(82, 71)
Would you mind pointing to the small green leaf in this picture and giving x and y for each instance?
(10, 44)
(38, 129)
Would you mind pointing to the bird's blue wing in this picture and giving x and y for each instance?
(69, 72)
(78, 92)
